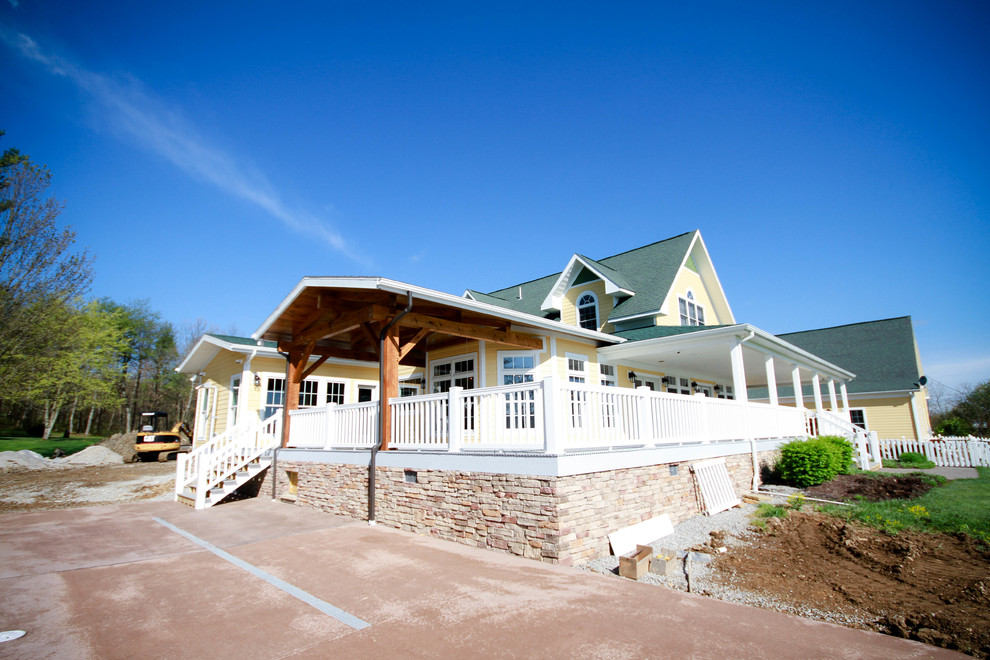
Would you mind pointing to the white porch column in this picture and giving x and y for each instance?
(816, 386)
(845, 399)
(771, 379)
(833, 404)
(246, 389)
(738, 372)
(798, 392)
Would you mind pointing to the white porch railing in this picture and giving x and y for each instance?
(350, 426)
(944, 452)
(544, 416)
(210, 463)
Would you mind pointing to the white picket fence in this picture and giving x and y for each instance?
(944, 452)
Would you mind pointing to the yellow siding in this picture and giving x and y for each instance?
(688, 279)
(543, 367)
(568, 311)
(220, 370)
(889, 417)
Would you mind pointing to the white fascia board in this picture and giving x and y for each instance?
(430, 295)
(555, 298)
(467, 294)
(708, 265)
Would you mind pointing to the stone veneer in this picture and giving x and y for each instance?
(563, 520)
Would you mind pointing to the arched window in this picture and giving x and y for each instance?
(587, 309)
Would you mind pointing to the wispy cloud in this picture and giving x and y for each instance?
(959, 372)
(153, 125)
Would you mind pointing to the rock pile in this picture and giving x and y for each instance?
(25, 459)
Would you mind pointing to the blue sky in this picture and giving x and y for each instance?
(836, 158)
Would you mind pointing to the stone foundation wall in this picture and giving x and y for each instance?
(562, 520)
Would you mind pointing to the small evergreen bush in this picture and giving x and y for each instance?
(814, 461)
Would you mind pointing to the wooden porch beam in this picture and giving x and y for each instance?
(371, 335)
(343, 323)
(469, 331)
(313, 367)
(411, 344)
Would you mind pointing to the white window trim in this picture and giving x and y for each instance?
(690, 298)
(611, 380)
(577, 309)
(866, 420)
(232, 406)
(451, 360)
(577, 356)
(504, 354)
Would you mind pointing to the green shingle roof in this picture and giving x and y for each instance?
(880, 353)
(649, 271)
(654, 331)
(246, 341)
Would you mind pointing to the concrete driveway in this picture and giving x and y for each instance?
(255, 579)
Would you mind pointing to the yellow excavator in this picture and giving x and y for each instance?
(153, 440)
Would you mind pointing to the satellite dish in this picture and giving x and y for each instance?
(923, 381)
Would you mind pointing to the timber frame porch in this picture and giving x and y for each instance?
(388, 322)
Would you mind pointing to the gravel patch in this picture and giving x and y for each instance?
(692, 533)
(696, 533)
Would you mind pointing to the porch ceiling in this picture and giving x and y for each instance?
(705, 354)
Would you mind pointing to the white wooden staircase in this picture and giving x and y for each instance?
(216, 469)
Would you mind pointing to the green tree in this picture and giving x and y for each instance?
(39, 270)
(76, 361)
(974, 409)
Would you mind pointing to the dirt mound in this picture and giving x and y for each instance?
(849, 486)
(92, 455)
(931, 588)
(122, 443)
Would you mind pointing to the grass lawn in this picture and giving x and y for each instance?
(46, 447)
(962, 505)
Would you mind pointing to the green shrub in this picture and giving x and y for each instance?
(842, 452)
(810, 462)
(910, 458)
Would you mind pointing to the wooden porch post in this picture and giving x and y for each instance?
(296, 364)
(738, 372)
(845, 399)
(390, 381)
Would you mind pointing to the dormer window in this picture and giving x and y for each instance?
(587, 309)
(691, 312)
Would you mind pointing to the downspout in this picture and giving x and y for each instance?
(382, 402)
(285, 417)
(752, 440)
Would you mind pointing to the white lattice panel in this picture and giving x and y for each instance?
(715, 484)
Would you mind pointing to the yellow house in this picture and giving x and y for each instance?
(533, 420)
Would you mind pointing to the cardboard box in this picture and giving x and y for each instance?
(664, 562)
(634, 565)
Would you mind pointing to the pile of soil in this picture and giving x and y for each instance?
(933, 588)
(847, 487)
(122, 443)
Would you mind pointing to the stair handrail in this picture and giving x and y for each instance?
(854, 433)
(225, 454)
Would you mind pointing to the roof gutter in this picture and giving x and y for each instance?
(382, 402)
